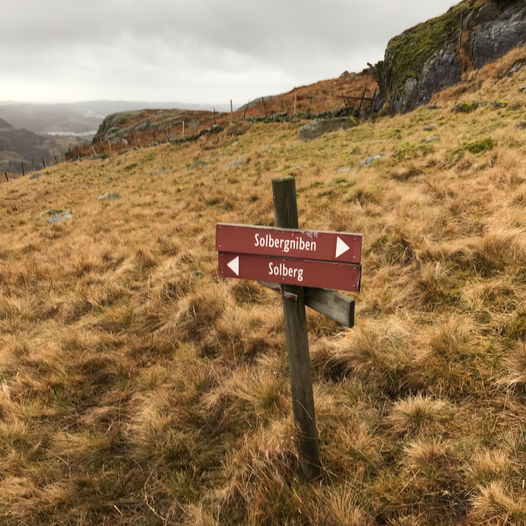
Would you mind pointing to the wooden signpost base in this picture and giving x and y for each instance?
(286, 215)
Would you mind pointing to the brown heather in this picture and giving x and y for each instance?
(137, 388)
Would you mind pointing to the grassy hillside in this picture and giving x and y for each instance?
(137, 388)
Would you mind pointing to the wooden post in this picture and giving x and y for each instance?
(295, 101)
(231, 111)
(323, 99)
(43, 163)
(363, 97)
(6, 178)
(286, 215)
(214, 116)
(264, 107)
(183, 130)
(23, 171)
(109, 146)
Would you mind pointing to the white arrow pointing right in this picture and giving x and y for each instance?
(234, 265)
(341, 247)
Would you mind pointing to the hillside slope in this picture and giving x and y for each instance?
(138, 388)
(123, 130)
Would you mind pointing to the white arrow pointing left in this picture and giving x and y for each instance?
(234, 265)
(341, 247)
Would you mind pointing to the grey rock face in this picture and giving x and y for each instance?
(441, 70)
(408, 78)
(319, 127)
(496, 37)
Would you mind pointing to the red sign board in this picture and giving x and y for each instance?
(301, 244)
(302, 272)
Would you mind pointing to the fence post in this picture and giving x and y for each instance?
(295, 101)
(264, 107)
(6, 178)
(231, 111)
(323, 99)
(363, 97)
(23, 171)
(286, 215)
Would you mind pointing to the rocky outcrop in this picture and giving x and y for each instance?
(320, 127)
(433, 55)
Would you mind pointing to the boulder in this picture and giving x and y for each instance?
(319, 127)
(59, 215)
(369, 161)
(107, 195)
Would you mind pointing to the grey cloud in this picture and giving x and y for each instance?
(112, 41)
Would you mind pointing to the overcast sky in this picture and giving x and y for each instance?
(203, 51)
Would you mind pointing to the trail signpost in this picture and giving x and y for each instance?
(301, 265)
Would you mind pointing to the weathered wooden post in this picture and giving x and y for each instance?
(6, 177)
(23, 171)
(363, 98)
(286, 215)
(324, 103)
(303, 266)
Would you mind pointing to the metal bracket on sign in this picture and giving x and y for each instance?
(288, 295)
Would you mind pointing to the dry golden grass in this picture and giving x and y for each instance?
(137, 388)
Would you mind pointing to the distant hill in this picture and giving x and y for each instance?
(4, 125)
(18, 145)
(77, 117)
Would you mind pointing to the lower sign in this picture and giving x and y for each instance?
(302, 272)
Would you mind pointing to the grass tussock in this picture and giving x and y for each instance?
(136, 387)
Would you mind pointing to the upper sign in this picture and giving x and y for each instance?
(302, 244)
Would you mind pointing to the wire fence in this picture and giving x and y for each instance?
(262, 109)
